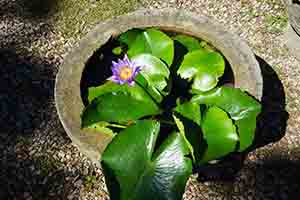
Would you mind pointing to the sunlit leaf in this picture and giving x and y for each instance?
(219, 133)
(153, 70)
(189, 42)
(121, 104)
(154, 42)
(134, 171)
(190, 110)
(242, 108)
(204, 67)
(129, 36)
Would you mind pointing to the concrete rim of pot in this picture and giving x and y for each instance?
(246, 70)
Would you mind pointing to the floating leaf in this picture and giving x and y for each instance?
(129, 36)
(133, 171)
(107, 87)
(154, 42)
(190, 110)
(219, 133)
(122, 104)
(152, 91)
(153, 69)
(189, 42)
(204, 66)
(242, 108)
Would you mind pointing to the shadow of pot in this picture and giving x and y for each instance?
(245, 68)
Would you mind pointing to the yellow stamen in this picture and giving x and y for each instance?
(125, 73)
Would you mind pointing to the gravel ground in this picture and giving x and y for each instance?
(38, 161)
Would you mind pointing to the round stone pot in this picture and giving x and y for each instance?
(246, 71)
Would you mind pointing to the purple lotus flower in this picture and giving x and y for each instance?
(124, 71)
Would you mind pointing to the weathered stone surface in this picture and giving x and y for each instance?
(247, 74)
(292, 34)
(293, 41)
(294, 16)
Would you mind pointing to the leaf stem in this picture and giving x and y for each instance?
(117, 126)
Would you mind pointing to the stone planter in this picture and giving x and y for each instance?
(293, 32)
(246, 71)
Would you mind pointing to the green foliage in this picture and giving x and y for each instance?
(190, 43)
(190, 110)
(116, 105)
(199, 124)
(142, 173)
(151, 90)
(129, 37)
(153, 42)
(219, 133)
(153, 70)
(204, 67)
(242, 108)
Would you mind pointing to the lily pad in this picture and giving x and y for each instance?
(154, 42)
(204, 67)
(189, 42)
(141, 173)
(151, 90)
(153, 69)
(219, 133)
(190, 110)
(242, 108)
(121, 104)
(129, 36)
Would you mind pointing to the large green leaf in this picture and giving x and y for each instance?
(204, 67)
(242, 108)
(133, 171)
(219, 133)
(121, 104)
(154, 42)
(109, 86)
(189, 42)
(129, 36)
(153, 69)
(152, 91)
(190, 110)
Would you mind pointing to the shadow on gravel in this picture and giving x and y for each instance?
(26, 107)
(26, 88)
(278, 178)
(271, 127)
(40, 8)
(27, 114)
(29, 9)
